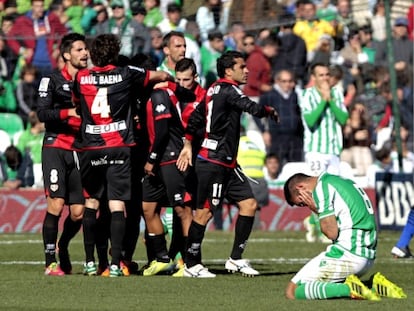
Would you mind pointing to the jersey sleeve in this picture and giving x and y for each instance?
(244, 103)
(324, 196)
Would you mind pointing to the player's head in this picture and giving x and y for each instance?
(105, 50)
(291, 188)
(73, 50)
(186, 73)
(174, 46)
(231, 65)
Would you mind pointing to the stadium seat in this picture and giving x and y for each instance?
(11, 123)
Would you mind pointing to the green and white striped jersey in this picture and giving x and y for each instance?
(354, 214)
(164, 67)
(325, 136)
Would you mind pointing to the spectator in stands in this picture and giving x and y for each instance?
(259, 81)
(7, 66)
(212, 15)
(173, 20)
(73, 11)
(323, 52)
(401, 44)
(154, 15)
(192, 41)
(211, 50)
(344, 82)
(16, 169)
(234, 38)
(369, 46)
(272, 171)
(138, 12)
(156, 52)
(40, 33)
(26, 92)
(7, 22)
(345, 21)
(378, 22)
(286, 137)
(357, 140)
(352, 53)
(310, 29)
(93, 13)
(31, 142)
(134, 37)
(326, 10)
(292, 51)
(249, 44)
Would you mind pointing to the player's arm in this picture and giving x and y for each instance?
(244, 103)
(329, 227)
(312, 116)
(341, 115)
(161, 130)
(159, 76)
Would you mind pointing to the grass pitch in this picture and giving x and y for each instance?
(277, 255)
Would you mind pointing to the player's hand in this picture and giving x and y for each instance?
(306, 199)
(272, 114)
(148, 169)
(185, 157)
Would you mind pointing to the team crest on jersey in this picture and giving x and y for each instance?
(44, 83)
(215, 202)
(66, 87)
(54, 187)
(160, 108)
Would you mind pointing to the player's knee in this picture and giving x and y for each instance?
(76, 212)
(248, 207)
(55, 206)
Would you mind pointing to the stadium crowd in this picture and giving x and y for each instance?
(321, 76)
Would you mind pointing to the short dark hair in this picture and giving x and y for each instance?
(67, 42)
(185, 64)
(290, 184)
(215, 34)
(227, 60)
(167, 38)
(318, 64)
(105, 50)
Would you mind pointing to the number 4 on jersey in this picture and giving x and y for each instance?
(100, 103)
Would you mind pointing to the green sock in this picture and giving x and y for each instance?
(168, 221)
(322, 290)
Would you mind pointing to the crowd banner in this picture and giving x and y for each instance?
(23, 211)
(395, 198)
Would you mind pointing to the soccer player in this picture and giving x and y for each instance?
(60, 164)
(216, 167)
(164, 184)
(324, 113)
(347, 218)
(103, 94)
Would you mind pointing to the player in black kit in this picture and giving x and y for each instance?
(60, 164)
(217, 171)
(103, 94)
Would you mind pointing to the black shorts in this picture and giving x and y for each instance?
(107, 169)
(167, 187)
(216, 182)
(61, 175)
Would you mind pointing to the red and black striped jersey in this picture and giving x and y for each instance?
(104, 95)
(165, 127)
(220, 116)
(55, 100)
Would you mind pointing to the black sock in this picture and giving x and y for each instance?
(102, 236)
(149, 246)
(244, 225)
(159, 246)
(117, 236)
(89, 227)
(131, 230)
(70, 228)
(177, 240)
(50, 232)
(194, 240)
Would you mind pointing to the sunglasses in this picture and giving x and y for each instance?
(286, 81)
(117, 7)
(248, 43)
